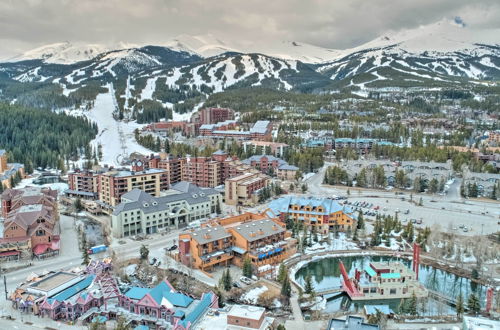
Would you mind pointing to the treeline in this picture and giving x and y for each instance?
(48, 95)
(433, 153)
(148, 111)
(259, 98)
(306, 159)
(42, 138)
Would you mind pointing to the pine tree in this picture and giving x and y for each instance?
(460, 305)
(286, 289)
(144, 252)
(361, 221)
(282, 273)
(412, 305)
(247, 268)
(78, 204)
(308, 285)
(225, 280)
(402, 308)
(473, 304)
(85, 251)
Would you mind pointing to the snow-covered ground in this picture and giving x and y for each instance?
(185, 116)
(252, 296)
(340, 243)
(117, 138)
(59, 186)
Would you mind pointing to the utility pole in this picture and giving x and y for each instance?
(5, 286)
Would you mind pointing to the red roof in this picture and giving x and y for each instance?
(42, 248)
(9, 253)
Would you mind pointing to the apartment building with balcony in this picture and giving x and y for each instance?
(112, 185)
(243, 189)
(232, 239)
(202, 171)
(83, 183)
(206, 248)
(265, 147)
(269, 164)
(264, 241)
(142, 213)
(323, 213)
(173, 165)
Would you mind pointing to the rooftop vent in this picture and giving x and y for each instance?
(145, 204)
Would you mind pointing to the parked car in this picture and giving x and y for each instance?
(236, 285)
(245, 280)
(407, 211)
(152, 261)
(172, 248)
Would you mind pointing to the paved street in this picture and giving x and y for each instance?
(70, 257)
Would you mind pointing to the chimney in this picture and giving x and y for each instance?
(253, 234)
(261, 232)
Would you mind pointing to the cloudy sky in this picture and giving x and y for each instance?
(26, 24)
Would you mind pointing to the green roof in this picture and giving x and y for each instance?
(369, 270)
(390, 275)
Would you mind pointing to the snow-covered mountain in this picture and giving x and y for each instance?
(201, 45)
(65, 52)
(440, 54)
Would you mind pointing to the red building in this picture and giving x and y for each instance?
(31, 221)
(215, 115)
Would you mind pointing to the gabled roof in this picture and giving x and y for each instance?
(136, 293)
(181, 191)
(163, 290)
(282, 205)
(137, 195)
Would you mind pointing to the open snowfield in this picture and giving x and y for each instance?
(117, 138)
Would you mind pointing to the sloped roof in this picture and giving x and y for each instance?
(136, 293)
(180, 191)
(72, 290)
(258, 229)
(282, 205)
(199, 310)
(270, 158)
(209, 234)
(260, 126)
(162, 290)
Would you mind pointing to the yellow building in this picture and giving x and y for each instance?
(324, 213)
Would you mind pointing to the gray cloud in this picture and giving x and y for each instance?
(25, 24)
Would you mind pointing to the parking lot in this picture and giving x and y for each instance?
(463, 218)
